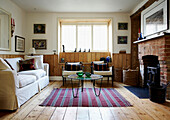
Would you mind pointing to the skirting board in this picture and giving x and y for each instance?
(59, 78)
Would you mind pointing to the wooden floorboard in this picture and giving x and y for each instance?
(142, 109)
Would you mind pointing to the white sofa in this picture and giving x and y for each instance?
(18, 87)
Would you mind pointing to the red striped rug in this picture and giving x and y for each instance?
(109, 97)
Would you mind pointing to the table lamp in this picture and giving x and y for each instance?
(32, 51)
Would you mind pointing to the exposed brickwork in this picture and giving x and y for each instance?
(161, 48)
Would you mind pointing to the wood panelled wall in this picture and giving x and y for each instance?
(10, 56)
(121, 60)
(85, 57)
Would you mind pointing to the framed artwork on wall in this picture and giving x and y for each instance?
(122, 39)
(19, 44)
(39, 43)
(39, 28)
(155, 18)
(122, 26)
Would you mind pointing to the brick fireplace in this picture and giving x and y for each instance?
(159, 46)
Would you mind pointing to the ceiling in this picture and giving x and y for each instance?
(77, 5)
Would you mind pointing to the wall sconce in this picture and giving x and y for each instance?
(12, 26)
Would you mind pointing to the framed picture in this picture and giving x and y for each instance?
(39, 43)
(19, 44)
(122, 39)
(39, 28)
(155, 19)
(122, 26)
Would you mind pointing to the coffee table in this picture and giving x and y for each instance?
(81, 80)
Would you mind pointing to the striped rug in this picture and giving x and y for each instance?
(109, 97)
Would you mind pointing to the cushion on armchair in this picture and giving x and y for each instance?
(26, 65)
(101, 67)
(73, 67)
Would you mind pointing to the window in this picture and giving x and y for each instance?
(100, 37)
(69, 36)
(84, 36)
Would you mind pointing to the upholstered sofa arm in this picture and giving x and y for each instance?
(46, 68)
(8, 79)
(8, 89)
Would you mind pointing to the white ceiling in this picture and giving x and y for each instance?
(77, 5)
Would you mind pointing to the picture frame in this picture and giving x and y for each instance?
(19, 44)
(122, 26)
(39, 43)
(155, 19)
(122, 39)
(39, 28)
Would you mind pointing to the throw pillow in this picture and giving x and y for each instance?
(73, 67)
(101, 67)
(4, 65)
(38, 61)
(26, 64)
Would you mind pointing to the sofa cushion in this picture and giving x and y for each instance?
(14, 62)
(38, 73)
(26, 65)
(38, 61)
(25, 80)
(4, 65)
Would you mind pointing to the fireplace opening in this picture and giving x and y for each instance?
(149, 61)
(153, 76)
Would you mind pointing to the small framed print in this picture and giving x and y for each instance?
(39, 43)
(122, 26)
(39, 28)
(19, 44)
(122, 39)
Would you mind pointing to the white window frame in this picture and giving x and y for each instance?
(85, 23)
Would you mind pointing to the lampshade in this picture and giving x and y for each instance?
(32, 51)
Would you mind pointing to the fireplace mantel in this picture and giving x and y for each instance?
(151, 38)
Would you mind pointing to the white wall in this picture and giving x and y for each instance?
(51, 21)
(19, 16)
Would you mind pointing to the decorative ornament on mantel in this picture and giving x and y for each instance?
(12, 26)
(140, 37)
